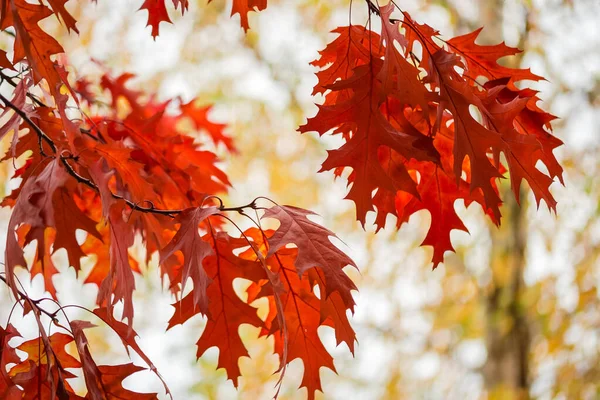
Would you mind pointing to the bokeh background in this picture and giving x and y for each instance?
(515, 313)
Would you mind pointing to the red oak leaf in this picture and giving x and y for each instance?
(14, 122)
(303, 313)
(8, 355)
(354, 46)
(58, 6)
(226, 311)
(157, 13)
(199, 116)
(68, 219)
(35, 208)
(399, 78)
(195, 250)
(119, 284)
(127, 336)
(243, 7)
(32, 42)
(104, 381)
(112, 377)
(91, 373)
(315, 248)
(4, 62)
(483, 60)
(371, 130)
(58, 341)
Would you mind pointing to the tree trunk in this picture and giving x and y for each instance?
(506, 371)
(508, 334)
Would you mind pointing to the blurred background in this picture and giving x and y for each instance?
(515, 313)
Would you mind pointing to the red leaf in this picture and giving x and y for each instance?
(315, 248)
(43, 373)
(483, 60)
(354, 46)
(226, 311)
(91, 373)
(361, 114)
(199, 116)
(8, 355)
(68, 219)
(120, 282)
(14, 122)
(58, 6)
(4, 62)
(127, 336)
(243, 7)
(303, 313)
(399, 78)
(57, 341)
(112, 377)
(195, 250)
(105, 381)
(157, 13)
(32, 42)
(34, 208)
(373, 91)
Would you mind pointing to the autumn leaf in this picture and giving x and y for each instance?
(195, 250)
(373, 85)
(13, 124)
(226, 311)
(399, 78)
(157, 13)
(58, 341)
(128, 338)
(34, 208)
(354, 46)
(243, 7)
(4, 62)
(43, 373)
(199, 116)
(91, 373)
(361, 114)
(68, 219)
(424, 122)
(32, 42)
(104, 381)
(58, 6)
(8, 355)
(303, 311)
(119, 284)
(315, 248)
(483, 60)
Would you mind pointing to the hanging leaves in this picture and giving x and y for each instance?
(427, 125)
(134, 169)
(425, 122)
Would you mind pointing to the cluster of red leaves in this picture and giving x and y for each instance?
(99, 157)
(425, 122)
(157, 11)
(44, 372)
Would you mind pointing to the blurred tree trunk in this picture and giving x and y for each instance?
(507, 328)
(506, 371)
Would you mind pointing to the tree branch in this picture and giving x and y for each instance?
(41, 135)
(10, 80)
(81, 179)
(30, 300)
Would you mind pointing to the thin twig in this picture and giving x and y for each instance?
(11, 81)
(31, 301)
(33, 125)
